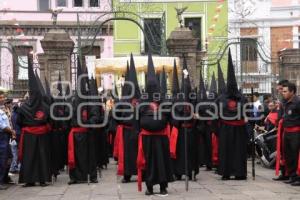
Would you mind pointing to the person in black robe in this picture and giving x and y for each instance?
(34, 149)
(99, 133)
(59, 131)
(177, 140)
(126, 140)
(217, 122)
(203, 128)
(81, 144)
(233, 135)
(213, 124)
(154, 150)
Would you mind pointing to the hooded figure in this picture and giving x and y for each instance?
(34, 149)
(213, 91)
(126, 140)
(204, 127)
(59, 132)
(81, 144)
(163, 85)
(153, 150)
(221, 81)
(233, 136)
(175, 82)
(97, 113)
(182, 127)
(213, 124)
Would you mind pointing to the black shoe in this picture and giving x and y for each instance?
(43, 184)
(72, 182)
(9, 181)
(195, 177)
(281, 178)
(125, 180)
(225, 178)
(3, 187)
(178, 177)
(94, 181)
(208, 168)
(240, 178)
(290, 181)
(163, 192)
(29, 185)
(296, 183)
(149, 192)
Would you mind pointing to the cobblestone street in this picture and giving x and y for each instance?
(208, 187)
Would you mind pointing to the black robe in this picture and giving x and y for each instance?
(130, 139)
(99, 133)
(59, 139)
(84, 145)
(232, 139)
(156, 149)
(35, 165)
(192, 144)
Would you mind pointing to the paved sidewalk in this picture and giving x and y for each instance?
(208, 187)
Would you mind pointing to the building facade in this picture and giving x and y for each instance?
(207, 19)
(259, 31)
(24, 24)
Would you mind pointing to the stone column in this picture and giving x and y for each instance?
(182, 42)
(58, 47)
(290, 66)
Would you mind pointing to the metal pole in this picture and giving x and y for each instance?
(252, 138)
(185, 145)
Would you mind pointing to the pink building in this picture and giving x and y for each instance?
(24, 23)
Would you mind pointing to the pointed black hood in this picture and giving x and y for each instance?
(82, 79)
(35, 94)
(151, 82)
(221, 81)
(93, 87)
(125, 90)
(163, 84)
(39, 82)
(158, 77)
(59, 85)
(232, 87)
(47, 87)
(133, 78)
(49, 98)
(175, 82)
(116, 94)
(213, 85)
(202, 96)
(68, 91)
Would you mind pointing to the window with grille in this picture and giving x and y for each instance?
(152, 27)
(44, 5)
(194, 24)
(249, 55)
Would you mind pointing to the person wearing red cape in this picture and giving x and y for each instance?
(34, 149)
(153, 162)
(233, 135)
